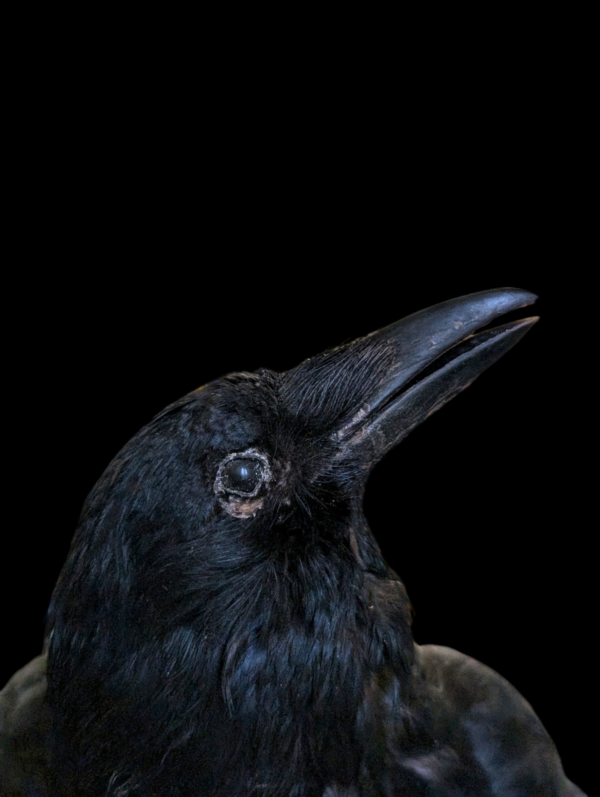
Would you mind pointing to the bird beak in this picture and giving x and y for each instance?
(438, 353)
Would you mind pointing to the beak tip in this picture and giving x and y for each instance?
(524, 297)
(505, 299)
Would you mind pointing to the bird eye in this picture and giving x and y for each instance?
(242, 474)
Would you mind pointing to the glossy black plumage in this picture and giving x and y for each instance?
(205, 645)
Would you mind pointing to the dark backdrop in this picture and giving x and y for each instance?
(145, 261)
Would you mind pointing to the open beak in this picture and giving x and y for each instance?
(438, 353)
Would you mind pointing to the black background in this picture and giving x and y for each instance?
(144, 267)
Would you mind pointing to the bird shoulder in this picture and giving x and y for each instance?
(473, 707)
(24, 732)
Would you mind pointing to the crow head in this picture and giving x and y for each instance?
(225, 617)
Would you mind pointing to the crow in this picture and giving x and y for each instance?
(225, 624)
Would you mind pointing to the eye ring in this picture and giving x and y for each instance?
(252, 454)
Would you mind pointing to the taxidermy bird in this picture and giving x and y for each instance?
(225, 624)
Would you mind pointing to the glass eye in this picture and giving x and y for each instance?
(242, 475)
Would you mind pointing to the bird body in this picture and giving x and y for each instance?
(225, 624)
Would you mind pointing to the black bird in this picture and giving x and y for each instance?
(225, 624)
